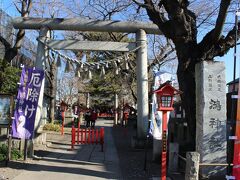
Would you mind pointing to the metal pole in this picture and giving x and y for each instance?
(142, 85)
(115, 107)
(235, 51)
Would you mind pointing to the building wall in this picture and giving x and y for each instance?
(230, 87)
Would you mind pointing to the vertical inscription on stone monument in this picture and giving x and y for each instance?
(211, 114)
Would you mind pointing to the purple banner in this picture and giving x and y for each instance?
(27, 103)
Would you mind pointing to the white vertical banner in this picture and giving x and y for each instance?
(156, 116)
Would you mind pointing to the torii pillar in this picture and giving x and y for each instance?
(42, 54)
(142, 85)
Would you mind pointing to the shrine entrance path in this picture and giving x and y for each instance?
(84, 162)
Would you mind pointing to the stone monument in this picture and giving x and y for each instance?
(211, 140)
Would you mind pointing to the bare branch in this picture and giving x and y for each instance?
(220, 19)
(17, 7)
(226, 43)
(141, 4)
(207, 17)
(29, 7)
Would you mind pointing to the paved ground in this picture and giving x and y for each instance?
(118, 161)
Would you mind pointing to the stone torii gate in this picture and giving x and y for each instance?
(78, 24)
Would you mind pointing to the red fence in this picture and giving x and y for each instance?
(87, 136)
(104, 115)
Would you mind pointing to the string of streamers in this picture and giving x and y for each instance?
(88, 66)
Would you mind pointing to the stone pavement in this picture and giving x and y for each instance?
(118, 161)
(84, 162)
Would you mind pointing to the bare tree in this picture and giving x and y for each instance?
(24, 8)
(51, 87)
(179, 23)
(67, 88)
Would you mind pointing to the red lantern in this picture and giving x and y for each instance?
(165, 95)
(63, 106)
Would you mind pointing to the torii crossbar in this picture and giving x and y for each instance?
(79, 24)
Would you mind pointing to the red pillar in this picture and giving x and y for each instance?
(85, 138)
(97, 136)
(93, 137)
(78, 131)
(89, 136)
(81, 130)
(73, 136)
(102, 138)
(164, 145)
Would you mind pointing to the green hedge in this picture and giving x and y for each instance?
(15, 153)
(52, 127)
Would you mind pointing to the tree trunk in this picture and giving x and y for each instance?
(186, 79)
(10, 54)
(52, 109)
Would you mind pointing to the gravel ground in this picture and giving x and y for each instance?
(132, 160)
(14, 168)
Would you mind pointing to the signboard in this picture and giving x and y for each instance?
(6, 102)
(27, 103)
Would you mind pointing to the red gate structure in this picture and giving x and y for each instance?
(87, 136)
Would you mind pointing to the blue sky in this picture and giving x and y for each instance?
(228, 58)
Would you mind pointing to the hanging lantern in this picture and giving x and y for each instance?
(59, 61)
(63, 106)
(102, 74)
